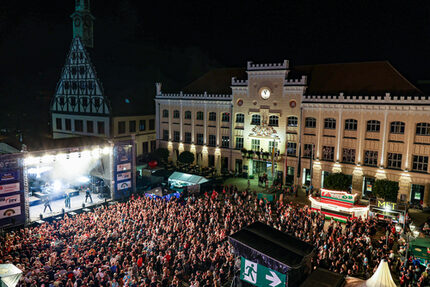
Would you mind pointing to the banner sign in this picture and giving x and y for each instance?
(12, 187)
(123, 176)
(123, 156)
(123, 167)
(386, 204)
(339, 196)
(10, 200)
(259, 275)
(8, 176)
(10, 212)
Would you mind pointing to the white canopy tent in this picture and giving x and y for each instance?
(381, 278)
(9, 275)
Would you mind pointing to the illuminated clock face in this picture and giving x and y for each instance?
(265, 93)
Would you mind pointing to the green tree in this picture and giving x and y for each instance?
(338, 181)
(162, 153)
(186, 157)
(386, 189)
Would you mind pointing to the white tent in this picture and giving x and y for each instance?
(382, 277)
(9, 275)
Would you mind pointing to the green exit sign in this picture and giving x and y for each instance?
(260, 275)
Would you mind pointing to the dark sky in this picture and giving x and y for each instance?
(140, 42)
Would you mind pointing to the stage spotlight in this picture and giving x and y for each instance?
(107, 150)
(47, 158)
(86, 154)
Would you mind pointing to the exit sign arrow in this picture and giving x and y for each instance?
(273, 278)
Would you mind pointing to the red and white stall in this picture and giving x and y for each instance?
(338, 205)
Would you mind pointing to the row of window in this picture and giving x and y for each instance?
(84, 101)
(394, 160)
(225, 117)
(79, 126)
(132, 126)
(225, 140)
(371, 126)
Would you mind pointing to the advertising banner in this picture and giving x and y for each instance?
(123, 176)
(10, 212)
(10, 200)
(7, 188)
(124, 169)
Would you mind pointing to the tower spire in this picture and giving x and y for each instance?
(83, 22)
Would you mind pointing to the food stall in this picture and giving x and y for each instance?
(338, 205)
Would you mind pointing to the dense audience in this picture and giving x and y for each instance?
(151, 242)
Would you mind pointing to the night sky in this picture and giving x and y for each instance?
(140, 42)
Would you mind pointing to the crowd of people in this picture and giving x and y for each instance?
(152, 242)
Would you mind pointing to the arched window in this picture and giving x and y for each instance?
(212, 116)
(350, 125)
(330, 123)
(273, 121)
(199, 116)
(176, 114)
(187, 115)
(225, 117)
(240, 118)
(397, 128)
(292, 121)
(373, 126)
(255, 120)
(310, 123)
(423, 129)
(165, 113)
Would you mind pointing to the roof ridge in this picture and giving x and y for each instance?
(403, 77)
(344, 63)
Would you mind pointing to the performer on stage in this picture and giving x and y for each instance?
(67, 200)
(47, 203)
(88, 195)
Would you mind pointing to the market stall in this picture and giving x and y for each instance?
(338, 205)
(386, 210)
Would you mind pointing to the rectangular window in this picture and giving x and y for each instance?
(165, 113)
(348, 155)
(373, 126)
(79, 125)
(351, 125)
(225, 117)
(291, 149)
(151, 124)
(212, 116)
(397, 128)
(330, 124)
(90, 127)
(394, 160)
(225, 141)
(187, 137)
(68, 124)
(58, 124)
(142, 124)
(310, 123)
(370, 158)
(423, 129)
(176, 136)
(121, 127)
(240, 118)
(308, 150)
(153, 145)
(239, 142)
(176, 114)
(199, 116)
(132, 126)
(212, 140)
(200, 139)
(101, 128)
(145, 147)
(420, 163)
(255, 145)
(166, 135)
(292, 121)
(273, 144)
(328, 153)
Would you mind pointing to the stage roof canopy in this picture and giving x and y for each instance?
(188, 178)
(271, 245)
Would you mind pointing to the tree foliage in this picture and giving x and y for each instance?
(338, 181)
(386, 189)
(186, 157)
(162, 153)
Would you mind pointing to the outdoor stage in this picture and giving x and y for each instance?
(58, 205)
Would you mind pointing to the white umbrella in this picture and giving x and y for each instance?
(382, 277)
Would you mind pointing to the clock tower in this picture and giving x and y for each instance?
(83, 22)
